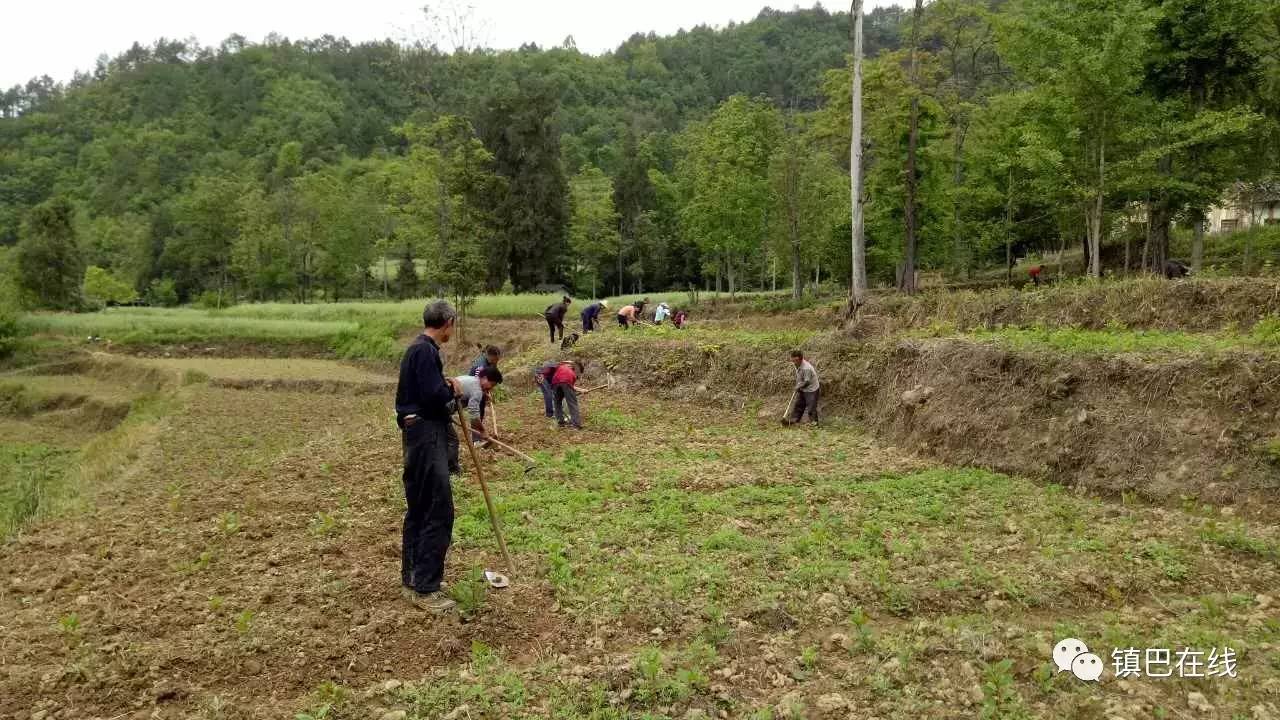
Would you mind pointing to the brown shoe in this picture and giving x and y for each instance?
(435, 602)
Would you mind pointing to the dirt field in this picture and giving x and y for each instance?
(678, 559)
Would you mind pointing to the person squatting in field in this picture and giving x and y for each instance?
(806, 390)
(425, 403)
(662, 312)
(591, 315)
(555, 316)
(475, 398)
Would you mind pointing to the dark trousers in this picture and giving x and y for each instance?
(806, 402)
(454, 467)
(428, 520)
(555, 325)
(588, 323)
(622, 320)
(566, 395)
(547, 396)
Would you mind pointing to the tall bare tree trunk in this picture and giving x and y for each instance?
(1008, 227)
(1146, 244)
(1095, 216)
(1197, 240)
(957, 179)
(908, 283)
(858, 279)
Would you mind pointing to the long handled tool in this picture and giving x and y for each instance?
(790, 403)
(484, 488)
(493, 413)
(598, 387)
(515, 452)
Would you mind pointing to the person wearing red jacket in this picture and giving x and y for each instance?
(564, 387)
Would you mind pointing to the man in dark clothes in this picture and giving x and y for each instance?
(425, 402)
(555, 316)
(591, 315)
(489, 358)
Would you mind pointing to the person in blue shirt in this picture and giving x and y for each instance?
(489, 358)
(425, 404)
(591, 315)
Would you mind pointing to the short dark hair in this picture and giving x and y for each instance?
(493, 350)
(437, 314)
(492, 374)
(797, 354)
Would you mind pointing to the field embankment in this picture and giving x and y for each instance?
(1174, 395)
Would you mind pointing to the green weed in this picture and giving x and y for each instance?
(244, 622)
(469, 592)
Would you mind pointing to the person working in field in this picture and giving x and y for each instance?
(487, 359)
(563, 385)
(679, 318)
(1035, 272)
(542, 378)
(591, 315)
(424, 402)
(475, 398)
(806, 390)
(662, 312)
(555, 316)
(639, 305)
(627, 315)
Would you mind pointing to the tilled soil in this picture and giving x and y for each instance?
(248, 554)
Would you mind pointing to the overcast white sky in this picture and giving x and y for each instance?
(57, 37)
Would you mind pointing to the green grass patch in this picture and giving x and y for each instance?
(141, 326)
(31, 475)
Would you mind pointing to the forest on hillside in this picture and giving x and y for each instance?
(713, 158)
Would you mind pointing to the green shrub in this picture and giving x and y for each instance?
(9, 330)
(370, 341)
(162, 293)
(213, 300)
(103, 287)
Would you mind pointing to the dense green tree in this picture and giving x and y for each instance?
(49, 263)
(534, 210)
(810, 199)
(593, 229)
(1089, 63)
(725, 176)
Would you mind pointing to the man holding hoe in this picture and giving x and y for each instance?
(804, 399)
(425, 402)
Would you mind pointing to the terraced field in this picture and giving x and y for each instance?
(229, 548)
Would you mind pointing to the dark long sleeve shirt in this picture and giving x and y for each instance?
(557, 312)
(422, 389)
(592, 311)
